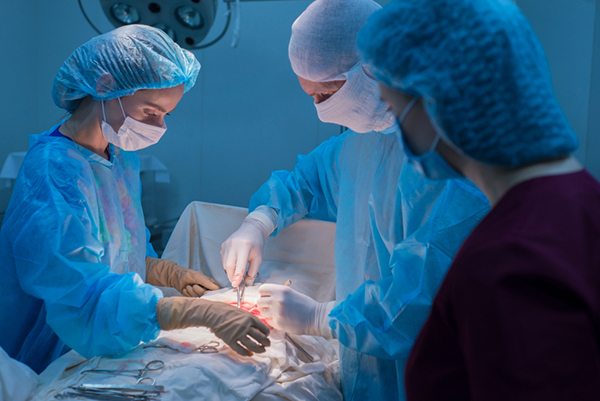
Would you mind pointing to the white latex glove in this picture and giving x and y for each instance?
(287, 309)
(246, 245)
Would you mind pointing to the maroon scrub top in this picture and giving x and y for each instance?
(518, 314)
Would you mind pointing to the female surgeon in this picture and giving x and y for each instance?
(518, 314)
(73, 245)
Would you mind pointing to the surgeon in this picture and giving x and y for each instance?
(398, 226)
(74, 250)
(518, 315)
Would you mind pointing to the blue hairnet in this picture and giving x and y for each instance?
(128, 59)
(481, 71)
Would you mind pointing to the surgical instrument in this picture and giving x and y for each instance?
(240, 293)
(242, 287)
(208, 348)
(303, 352)
(109, 395)
(151, 366)
(143, 388)
(138, 392)
(92, 396)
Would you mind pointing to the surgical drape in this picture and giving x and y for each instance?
(73, 246)
(395, 238)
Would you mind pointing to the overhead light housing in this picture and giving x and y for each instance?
(186, 22)
(125, 13)
(189, 17)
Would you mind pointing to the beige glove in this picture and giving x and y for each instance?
(241, 330)
(188, 282)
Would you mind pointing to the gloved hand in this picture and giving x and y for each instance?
(232, 325)
(169, 274)
(245, 246)
(289, 310)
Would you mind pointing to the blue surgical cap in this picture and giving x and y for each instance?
(481, 71)
(121, 62)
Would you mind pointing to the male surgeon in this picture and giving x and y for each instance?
(397, 230)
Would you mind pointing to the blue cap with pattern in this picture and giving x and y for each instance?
(121, 62)
(481, 71)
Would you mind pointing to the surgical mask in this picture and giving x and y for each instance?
(356, 104)
(431, 164)
(133, 134)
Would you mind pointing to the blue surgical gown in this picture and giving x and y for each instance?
(396, 235)
(72, 255)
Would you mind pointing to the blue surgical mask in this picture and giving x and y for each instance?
(431, 164)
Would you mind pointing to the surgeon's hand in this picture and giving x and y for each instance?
(241, 330)
(287, 309)
(188, 282)
(245, 246)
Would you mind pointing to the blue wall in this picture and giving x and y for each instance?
(566, 30)
(247, 114)
(20, 83)
(593, 133)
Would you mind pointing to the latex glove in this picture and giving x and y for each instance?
(287, 309)
(246, 245)
(241, 330)
(188, 282)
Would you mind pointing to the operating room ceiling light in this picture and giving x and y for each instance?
(190, 17)
(186, 21)
(125, 13)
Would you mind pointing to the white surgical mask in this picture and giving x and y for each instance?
(133, 134)
(356, 104)
(431, 164)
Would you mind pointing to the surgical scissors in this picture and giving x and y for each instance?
(151, 366)
(208, 348)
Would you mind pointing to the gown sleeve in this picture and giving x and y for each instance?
(149, 248)
(383, 318)
(57, 251)
(309, 190)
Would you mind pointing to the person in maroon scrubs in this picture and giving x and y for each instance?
(518, 314)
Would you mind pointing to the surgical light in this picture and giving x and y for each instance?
(187, 22)
(189, 17)
(125, 13)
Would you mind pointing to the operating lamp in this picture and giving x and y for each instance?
(187, 22)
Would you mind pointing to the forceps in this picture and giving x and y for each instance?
(208, 348)
(242, 287)
(136, 373)
(138, 392)
(240, 293)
